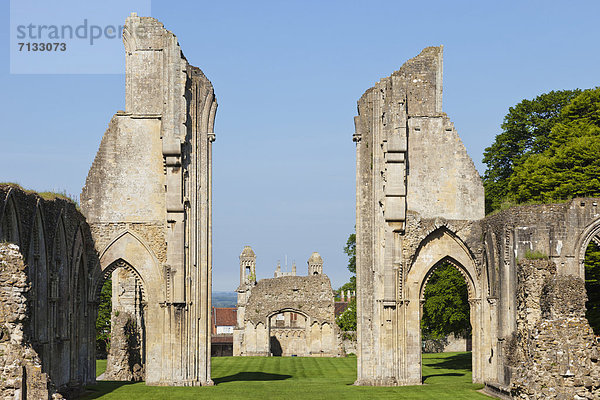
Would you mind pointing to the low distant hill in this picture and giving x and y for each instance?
(224, 299)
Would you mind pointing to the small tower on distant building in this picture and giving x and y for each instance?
(279, 273)
(247, 266)
(278, 270)
(315, 264)
(247, 282)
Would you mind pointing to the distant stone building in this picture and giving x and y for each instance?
(287, 315)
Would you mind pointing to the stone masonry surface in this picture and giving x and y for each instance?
(59, 306)
(148, 198)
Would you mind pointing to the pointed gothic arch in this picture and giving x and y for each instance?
(440, 245)
(590, 233)
(10, 229)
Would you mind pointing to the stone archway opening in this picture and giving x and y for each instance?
(103, 320)
(288, 332)
(121, 292)
(592, 283)
(445, 320)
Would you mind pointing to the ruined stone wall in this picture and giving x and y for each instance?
(315, 334)
(54, 335)
(450, 343)
(148, 200)
(126, 356)
(560, 232)
(553, 352)
(21, 375)
(125, 360)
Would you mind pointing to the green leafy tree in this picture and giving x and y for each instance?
(525, 131)
(548, 156)
(569, 166)
(446, 308)
(350, 250)
(347, 320)
(103, 320)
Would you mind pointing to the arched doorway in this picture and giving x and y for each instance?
(589, 269)
(445, 320)
(127, 354)
(288, 332)
(441, 247)
(592, 284)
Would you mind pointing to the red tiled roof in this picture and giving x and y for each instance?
(340, 307)
(224, 316)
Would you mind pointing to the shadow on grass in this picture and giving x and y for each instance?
(461, 361)
(448, 374)
(457, 361)
(101, 388)
(251, 376)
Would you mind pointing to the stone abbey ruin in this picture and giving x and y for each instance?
(145, 221)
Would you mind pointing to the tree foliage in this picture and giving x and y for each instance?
(347, 320)
(525, 132)
(103, 320)
(549, 150)
(350, 250)
(446, 308)
(569, 166)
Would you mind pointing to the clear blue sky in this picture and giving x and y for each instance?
(287, 75)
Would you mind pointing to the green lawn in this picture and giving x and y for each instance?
(446, 376)
(100, 367)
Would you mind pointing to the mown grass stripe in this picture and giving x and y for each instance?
(447, 376)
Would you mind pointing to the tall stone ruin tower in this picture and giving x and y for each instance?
(315, 264)
(148, 201)
(411, 167)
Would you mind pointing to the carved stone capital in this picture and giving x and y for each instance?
(475, 302)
